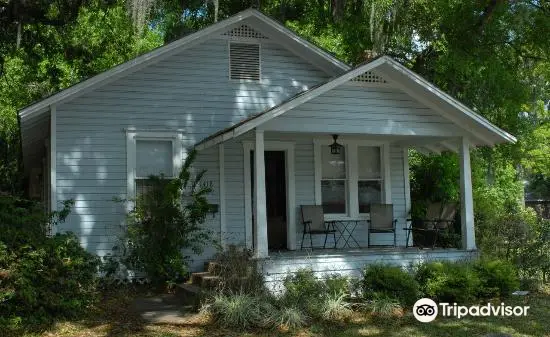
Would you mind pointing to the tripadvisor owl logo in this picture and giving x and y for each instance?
(426, 310)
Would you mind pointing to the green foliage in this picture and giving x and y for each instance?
(384, 307)
(389, 281)
(240, 311)
(61, 43)
(498, 278)
(238, 272)
(337, 284)
(289, 317)
(41, 277)
(335, 307)
(305, 291)
(165, 221)
(449, 281)
(317, 297)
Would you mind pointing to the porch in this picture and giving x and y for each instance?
(292, 171)
(350, 262)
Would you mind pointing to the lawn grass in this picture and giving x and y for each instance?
(112, 318)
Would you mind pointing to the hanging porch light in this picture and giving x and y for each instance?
(335, 148)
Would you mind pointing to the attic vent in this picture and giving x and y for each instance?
(244, 61)
(246, 32)
(369, 77)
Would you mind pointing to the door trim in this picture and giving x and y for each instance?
(288, 149)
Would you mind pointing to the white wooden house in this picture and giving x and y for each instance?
(261, 105)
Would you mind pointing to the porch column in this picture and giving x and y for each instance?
(260, 223)
(466, 198)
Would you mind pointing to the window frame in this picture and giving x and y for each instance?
(352, 189)
(131, 156)
(346, 180)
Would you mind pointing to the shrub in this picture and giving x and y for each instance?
(337, 285)
(498, 277)
(289, 317)
(240, 311)
(41, 277)
(389, 281)
(238, 272)
(303, 287)
(448, 281)
(166, 220)
(385, 307)
(335, 307)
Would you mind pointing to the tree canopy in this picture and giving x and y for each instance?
(492, 55)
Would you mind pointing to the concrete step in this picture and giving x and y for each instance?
(212, 267)
(210, 281)
(196, 278)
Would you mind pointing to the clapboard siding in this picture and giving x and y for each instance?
(189, 92)
(364, 110)
(350, 263)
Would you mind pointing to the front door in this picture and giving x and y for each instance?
(275, 191)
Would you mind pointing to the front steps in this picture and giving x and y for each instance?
(199, 282)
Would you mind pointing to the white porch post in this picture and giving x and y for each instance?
(467, 202)
(260, 223)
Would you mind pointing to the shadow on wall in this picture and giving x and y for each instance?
(179, 93)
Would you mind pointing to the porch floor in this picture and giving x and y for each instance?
(342, 252)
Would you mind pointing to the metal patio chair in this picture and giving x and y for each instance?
(313, 219)
(382, 221)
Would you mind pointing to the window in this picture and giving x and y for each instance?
(151, 153)
(153, 157)
(244, 61)
(349, 182)
(333, 181)
(369, 177)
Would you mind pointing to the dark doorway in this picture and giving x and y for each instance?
(275, 191)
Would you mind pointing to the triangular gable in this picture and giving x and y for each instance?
(383, 68)
(269, 27)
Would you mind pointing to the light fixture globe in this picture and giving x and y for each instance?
(335, 148)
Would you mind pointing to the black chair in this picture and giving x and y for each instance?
(382, 221)
(438, 221)
(314, 223)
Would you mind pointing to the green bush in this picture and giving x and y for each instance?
(240, 311)
(337, 284)
(289, 317)
(384, 307)
(41, 277)
(335, 307)
(498, 278)
(389, 281)
(448, 281)
(303, 290)
(238, 272)
(166, 220)
(323, 298)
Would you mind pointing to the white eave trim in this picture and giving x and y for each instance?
(166, 50)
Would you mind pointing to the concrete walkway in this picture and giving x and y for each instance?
(166, 309)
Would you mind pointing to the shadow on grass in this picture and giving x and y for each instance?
(536, 323)
(112, 317)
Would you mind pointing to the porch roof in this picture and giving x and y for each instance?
(479, 129)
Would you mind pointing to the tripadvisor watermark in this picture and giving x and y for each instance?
(426, 310)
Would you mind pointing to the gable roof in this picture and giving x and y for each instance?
(480, 129)
(266, 25)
